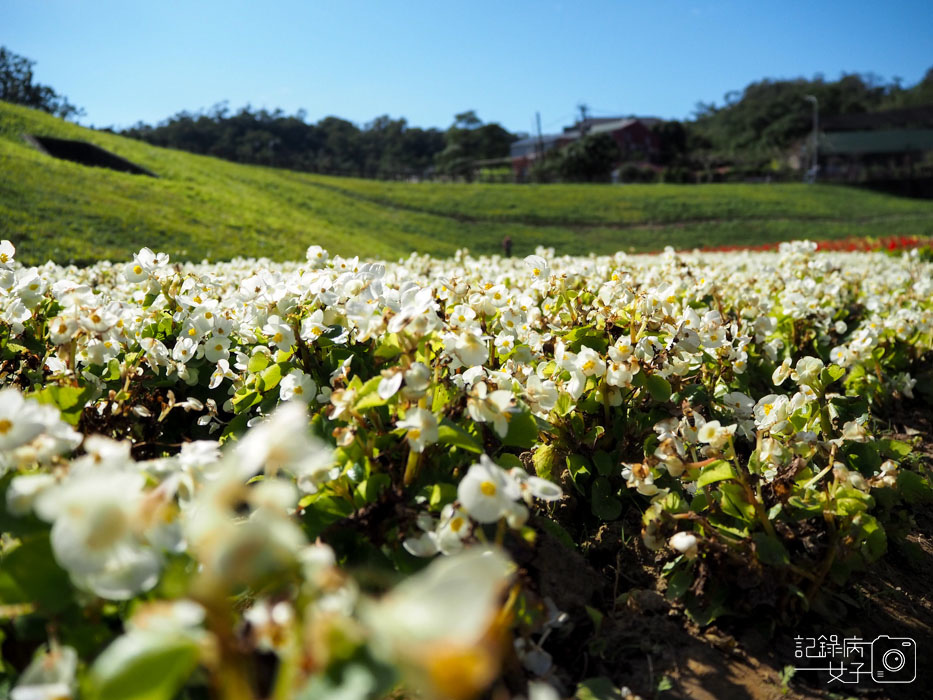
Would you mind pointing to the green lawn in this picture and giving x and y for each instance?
(202, 207)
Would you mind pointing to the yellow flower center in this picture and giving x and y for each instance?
(767, 408)
(457, 523)
(137, 269)
(277, 338)
(414, 433)
(95, 318)
(487, 488)
(5, 426)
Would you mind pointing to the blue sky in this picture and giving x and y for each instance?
(131, 60)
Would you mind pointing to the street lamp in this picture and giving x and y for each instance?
(811, 174)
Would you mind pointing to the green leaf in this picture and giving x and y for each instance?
(258, 362)
(564, 405)
(523, 431)
(441, 399)
(557, 532)
(579, 468)
(369, 395)
(70, 400)
(734, 502)
(270, 377)
(770, 550)
(598, 688)
(605, 465)
(716, 471)
(243, 402)
(441, 495)
(657, 386)
(369, 490)
(449, 433)
(32, 567)
(507, 460)
(913, 487)
(143, 666)
(875, 540)
(605, 505)
(678, 584)
(850, 501)
(894, 448)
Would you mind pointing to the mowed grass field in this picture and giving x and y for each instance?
(202, 207)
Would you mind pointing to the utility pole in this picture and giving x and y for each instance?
(583, 110)
(814, 167)
(540, 139)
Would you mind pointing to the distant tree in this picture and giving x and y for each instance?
(469, 140)
(590, 159)
(17, 85)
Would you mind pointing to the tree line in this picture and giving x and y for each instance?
(748, 133)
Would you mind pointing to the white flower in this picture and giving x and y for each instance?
(282, 442)
(433, 623)
(297, 385)
(685, 543)
(538, 266)
(94, 535)
(21, 419)
(487, 491)
(279, 333)
(492, 407)
(50, 676)
(771, 412)
(715, 434)
(421, 426)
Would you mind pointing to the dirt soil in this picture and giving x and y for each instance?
(647, 644)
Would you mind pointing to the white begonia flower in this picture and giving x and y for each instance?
(470, 348)
(639, 477)
(714, 434)
(590, 363)
(807, 371)
(542, 395)
(535, 486)
(279, 333)
(50, 675)
(216, 348)
(740, 404)
(434, 623)
(487, 491)
(452, 528)
(24, 489)
(390, 384)
(317, 256)
(782, 372)
(95, 536)
(221, 372)
(298, 386)
(7, 251)
(685, 543)
(282, 442)
(21, 420)
(145, 262)
(539, 267)
(421, 427)
(771, 412)
(494, 407)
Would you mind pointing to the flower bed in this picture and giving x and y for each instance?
(254, 479)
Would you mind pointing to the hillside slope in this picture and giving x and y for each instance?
(202, 207)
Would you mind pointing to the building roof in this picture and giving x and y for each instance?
(868, 142)
(917, 117)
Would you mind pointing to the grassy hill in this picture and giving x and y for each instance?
(201, 207)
